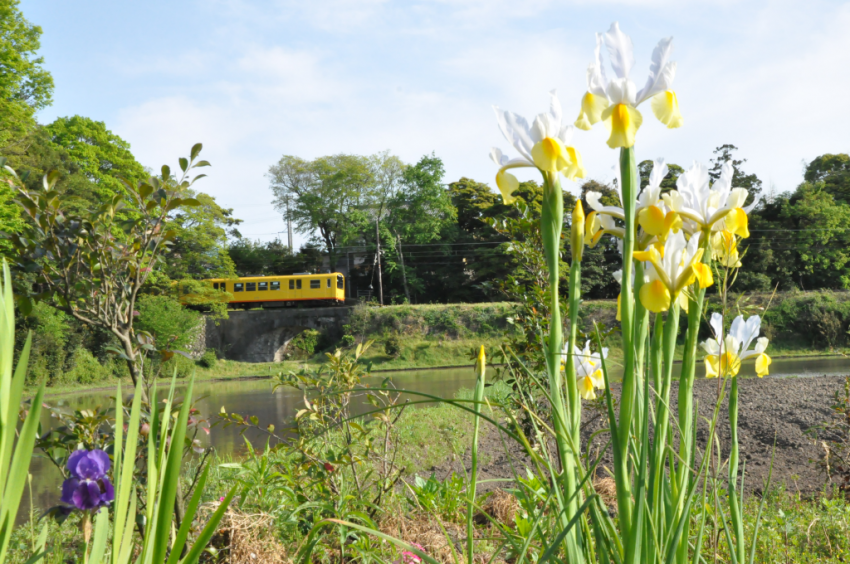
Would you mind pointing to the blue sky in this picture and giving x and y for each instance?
(254, 80)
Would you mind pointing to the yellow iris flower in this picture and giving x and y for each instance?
(666, 276)
(588, 370)
(724, 249)
(615, 102)
(545, 145)
(726, 354)
(655, 219)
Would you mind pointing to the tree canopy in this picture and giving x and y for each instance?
(25, 86)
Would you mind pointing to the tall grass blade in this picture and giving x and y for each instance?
(171, 475)
(101, 531)
(206, 534)
(761, 506)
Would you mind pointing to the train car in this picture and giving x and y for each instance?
(282, 291)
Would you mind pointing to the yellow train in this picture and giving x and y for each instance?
(281, 291)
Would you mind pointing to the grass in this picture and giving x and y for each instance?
(434, 335)
(793, 529)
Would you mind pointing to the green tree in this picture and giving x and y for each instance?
(834, 172)
(92, 266)
(101, 158)
(799, 241)
(420, 213)
(167, 320)
(199, 247)
(272, 258)
(740, 179)
(324, 198)
(25, 86)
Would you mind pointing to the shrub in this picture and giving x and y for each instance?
(820, 318)
(208, 359)
(184, 366)
(306, 341)
(86, 368)
(166, 319)
(347, 341)
(392, 346)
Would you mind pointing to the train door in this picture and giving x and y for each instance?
(295, 289)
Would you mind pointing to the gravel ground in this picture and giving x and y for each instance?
(770, 409)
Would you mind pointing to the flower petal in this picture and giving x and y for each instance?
(507, 184)
(762, 363)
(711, 366)
(624, 122)
(703, 274)
(655, 296)
(549, 154)
(575, 168)
(661, 70)
(665, 106)
(651, 218)
(620, 50)
(738, 223)
(592, 106)
(69, 486)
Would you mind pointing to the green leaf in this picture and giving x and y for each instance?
(189, 202)
(98, 545)
(196, 150)
(51, 178)
(171, 476)
(188, 518)
(201, 163)
(204, 538)
(184, 164)
(145, 190)
(166, 172)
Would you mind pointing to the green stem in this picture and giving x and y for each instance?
(551, 224)
(628, 396)
(641, 331)
(662, 417)
(734, 505)
(686, 399)
(573, 399)
(473, 479)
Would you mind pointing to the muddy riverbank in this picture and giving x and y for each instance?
(772, 411)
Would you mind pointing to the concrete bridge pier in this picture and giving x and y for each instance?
(263, 335)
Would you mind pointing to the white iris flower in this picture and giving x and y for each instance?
(615, 102)
(545, 145)
(725, 354)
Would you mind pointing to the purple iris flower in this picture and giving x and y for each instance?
(88, 487)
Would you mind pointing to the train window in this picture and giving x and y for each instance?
(223, 286)
(315, 283)
(340, 281)
(250, 286)
(238, 287)
(275, 285)
(215, 285)
(292, 284)
(298, 284)
(329, 282)
(262, 286)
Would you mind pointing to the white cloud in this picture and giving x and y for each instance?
(319, 78)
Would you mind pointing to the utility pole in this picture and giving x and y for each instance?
(348, 273)
(403, 272)
(288, 226)
(378, 261)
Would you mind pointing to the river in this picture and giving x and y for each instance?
(258, 397)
